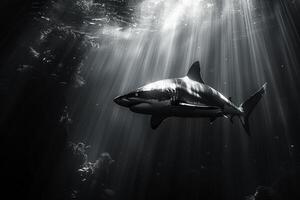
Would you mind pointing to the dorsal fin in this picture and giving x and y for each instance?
(194, 72)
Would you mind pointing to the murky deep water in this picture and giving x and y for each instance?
(240, 44)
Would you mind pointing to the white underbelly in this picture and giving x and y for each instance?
(165, 108)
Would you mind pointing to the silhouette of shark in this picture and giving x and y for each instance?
(188, 96)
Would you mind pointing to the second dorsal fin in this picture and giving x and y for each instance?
(194, 72)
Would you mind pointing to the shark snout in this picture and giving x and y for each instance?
(122, 101)
(127, 100)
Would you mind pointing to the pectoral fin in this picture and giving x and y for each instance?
(156, 120)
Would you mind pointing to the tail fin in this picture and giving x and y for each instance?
(248, 106)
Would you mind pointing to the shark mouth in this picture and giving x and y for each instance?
(134, 104)
(126, 102)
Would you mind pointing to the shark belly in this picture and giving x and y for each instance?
(165, 108)
(152, 108)
(179, 111)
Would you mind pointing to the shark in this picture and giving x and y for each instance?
(187, 97)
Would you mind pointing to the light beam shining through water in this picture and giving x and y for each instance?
(231, 39)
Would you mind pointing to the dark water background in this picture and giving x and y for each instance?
(62, 63)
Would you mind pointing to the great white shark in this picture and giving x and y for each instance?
(188, 96)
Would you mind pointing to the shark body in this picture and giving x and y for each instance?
(188, 96)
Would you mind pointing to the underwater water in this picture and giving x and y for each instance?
(65, 138)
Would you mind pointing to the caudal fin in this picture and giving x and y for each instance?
(248, 106)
